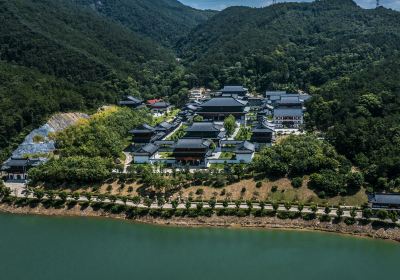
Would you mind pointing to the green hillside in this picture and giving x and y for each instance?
(290, 45)
(361, 117)
(164, 21)
(65, 56)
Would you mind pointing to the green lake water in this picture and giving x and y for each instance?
(42, 248)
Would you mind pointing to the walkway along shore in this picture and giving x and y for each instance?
(167, 214)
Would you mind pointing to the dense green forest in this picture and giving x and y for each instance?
(87, 152)
(290, 45)
(60, 55)
(164, 21)
(361, 117)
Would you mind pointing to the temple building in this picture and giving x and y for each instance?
(131, 102)
(262, 134)
(192, 151)
(206, 130)
(143, 134)
(234, 91)
(288, 118)
(17, 168)
(145, 154)
(219, 108)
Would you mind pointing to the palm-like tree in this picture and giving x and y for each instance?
(288, 205)
(327, 210)
(238, 203)
(300, 207)
(275, 206)
(353, 212)
(314, 208)
(339, 212)
(39, 194)
(212, 203)
(174, 204)
(136, 200)
(161, 202)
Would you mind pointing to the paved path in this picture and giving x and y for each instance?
(19, 190)
(128, 160)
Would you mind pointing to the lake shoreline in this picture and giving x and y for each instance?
(249, 222)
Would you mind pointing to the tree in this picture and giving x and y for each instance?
(225, 203)
(63, 196)
(367, 213)
(262, 205)
(212, 203)
(327, 210)
(238, 203)
(161, 202)
(199, 206)
(5, 191)
(230, 125)
(288, 205)
(188, 205)
(174, 204)
(382, 214)
(297, 182)
(393, 216)
(136, 200)
(39, 194)
(50, 195)
(112, 198)
(76, 196)
(198, 118)
(314, 208)
(354, 181)
(300, 207)
(275, 206)
(88, 196)
(353, 212)
(339, 212)
(148, 202)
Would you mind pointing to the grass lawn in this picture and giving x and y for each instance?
(165, 155)
(179, 133)
(284, 192)
(227, 155)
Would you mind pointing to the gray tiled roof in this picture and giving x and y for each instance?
(275, 92)
(283, 112)
(245, 148)
(290, 100)
(164, 125)
(224, 101)
(130, 100)
(142, 128)
(234, 89)
(391, 199)
(204, 126)
(161, 104)
(192, 144)
(149, 149)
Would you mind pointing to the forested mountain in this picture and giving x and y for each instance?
(290, 45)
(66, 56)
(361, 117)
(164, 21)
